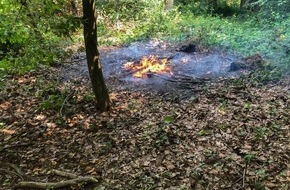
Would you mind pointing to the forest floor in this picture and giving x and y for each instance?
(225, 134)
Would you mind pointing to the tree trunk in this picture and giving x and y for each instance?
(213, 5)
(93, 55)
(242, 3)
(168, 5)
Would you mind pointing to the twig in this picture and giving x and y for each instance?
(237, 181)
(131, 72)
(14, 167)
(162, 77)
(17, 170)
(65, 100)
(244, 175)
(12, 173)
(64, 174)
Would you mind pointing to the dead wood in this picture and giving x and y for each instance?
(11, 173)
(252, 62)
(192, 80)
(130, 72)
(56, 185)
(244, 175)
(64, 174)
(17, 171)
(137, 61)
(188, 47)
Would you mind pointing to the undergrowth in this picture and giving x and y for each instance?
(33, 34)
(127, 21)
(239, 34)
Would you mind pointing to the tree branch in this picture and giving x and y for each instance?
(56, 185)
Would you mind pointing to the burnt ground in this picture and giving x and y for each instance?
(197, 129)
(188, 62)
(192, 67)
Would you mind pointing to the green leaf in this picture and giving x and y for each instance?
(169, 119)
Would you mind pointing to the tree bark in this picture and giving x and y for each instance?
(93, 55)
(242, 3)
(168, 5)
(213, 5)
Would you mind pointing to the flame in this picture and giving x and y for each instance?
(148, 65)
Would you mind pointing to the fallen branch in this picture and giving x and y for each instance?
(11, 173)
(130, 72)
(64, 174)
(244, 175)
(56, 185)
(17, 170)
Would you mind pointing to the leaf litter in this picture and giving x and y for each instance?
(226, 136)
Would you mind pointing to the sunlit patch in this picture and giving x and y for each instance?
(26, 80)
(8, 131)
(40, 117)
(5, 105)
(148, 66)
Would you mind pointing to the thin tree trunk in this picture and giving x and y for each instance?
(168, 4)
(93, 55)
(242, 3)
(214, 5)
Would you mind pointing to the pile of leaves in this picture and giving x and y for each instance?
(228, 136)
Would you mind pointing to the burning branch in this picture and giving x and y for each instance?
(148, 65)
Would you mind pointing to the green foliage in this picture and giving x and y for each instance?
(246, 36)
(51, 97)
(53, 102)
(244, 33)
(249, 157)
(33, 34)
(89, 97)
(273, 9)
(222, 7)
(149, 20)
(2, 125)
(162, 137)
(261, 133)
(30, 33)
(169, 119)
(124, 10)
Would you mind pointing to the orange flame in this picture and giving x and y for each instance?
(148, 65)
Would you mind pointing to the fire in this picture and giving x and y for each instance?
(147, 66)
